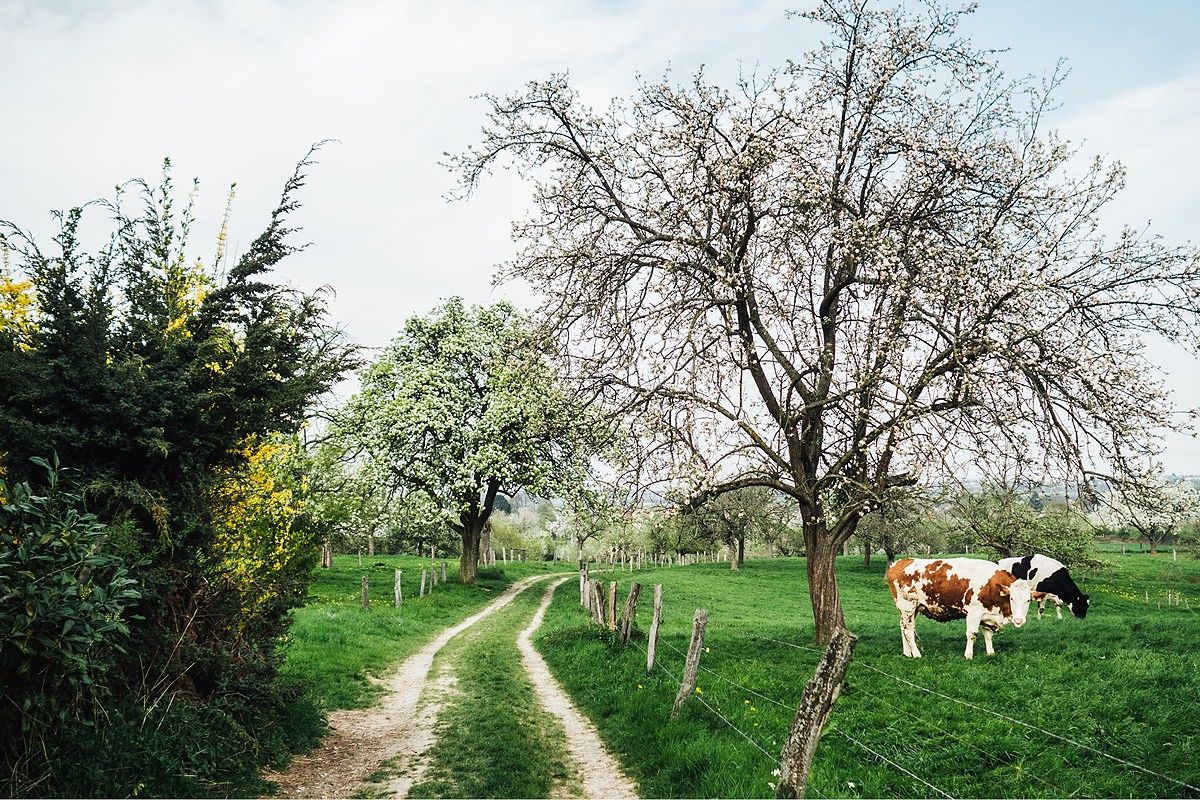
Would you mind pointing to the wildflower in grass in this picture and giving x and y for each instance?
(708, 650)
(747, 702)
(639, 686)
(698, 691)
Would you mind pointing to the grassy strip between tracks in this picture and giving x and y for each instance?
(493, 737)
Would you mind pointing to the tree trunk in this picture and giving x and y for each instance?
(485, 543)
(741, 556)
(733, 556)
(890, 552)
(371, 544)
(1154, 547)
(470, 556)
(822, 582)
(867, 552)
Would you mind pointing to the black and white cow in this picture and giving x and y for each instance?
(1049, 580)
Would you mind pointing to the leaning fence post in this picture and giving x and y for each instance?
(397, 594)
(652, 642)
(627, 620)
(366, 597)
(422, 583)
(699, 623)
(612, 606)
(815, 705)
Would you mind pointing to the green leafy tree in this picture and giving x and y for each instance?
(464, 405)
(1001, 522)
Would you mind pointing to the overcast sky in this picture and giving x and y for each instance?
(96, 92)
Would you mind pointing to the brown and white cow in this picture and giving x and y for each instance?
(946, 589)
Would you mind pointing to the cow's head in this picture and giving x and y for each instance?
(1020, 594)
(1079, 606)
(1007, 596)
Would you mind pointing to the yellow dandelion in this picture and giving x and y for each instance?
(698, 691)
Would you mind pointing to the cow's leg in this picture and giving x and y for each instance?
(1041, 607)
(910, 634)
(1058, 607)
(987, 640)
(908, 638)
(972, 629)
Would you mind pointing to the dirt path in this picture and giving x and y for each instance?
(601, 773)
(360, 740)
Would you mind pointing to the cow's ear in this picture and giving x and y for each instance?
(1004, 592)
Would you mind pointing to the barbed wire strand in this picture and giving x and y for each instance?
(1058, 792)
(887, 760)
(719, 676)
(1005, 717)
(784, 705)
(722, 717)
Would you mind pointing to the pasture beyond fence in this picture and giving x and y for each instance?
(809, 725)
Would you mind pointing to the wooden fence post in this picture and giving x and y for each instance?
(422, 583)
(815, 704)
(652, 641)
(630, 615)
(443, 572)
(597, 598)
(583, 586)
(612, 606)
(699, 623)
(397, 592)
(366, 597)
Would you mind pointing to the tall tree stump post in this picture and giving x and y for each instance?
(397, 592)
(652, 641)
(366, 596)
(422, 594)
(692, 663)
(326, 555)
(815, 704)
(628, 618)
(443, 572)
(612, 606)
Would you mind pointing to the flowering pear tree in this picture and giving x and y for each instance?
(819, 279)
(461, 406)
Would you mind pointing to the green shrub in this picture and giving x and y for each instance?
(64, 608)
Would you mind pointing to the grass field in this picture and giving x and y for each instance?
(334, 645)
(1125, 681)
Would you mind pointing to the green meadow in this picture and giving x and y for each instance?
(1120, 688)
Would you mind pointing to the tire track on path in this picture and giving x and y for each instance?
(601, 772)
(361, 740)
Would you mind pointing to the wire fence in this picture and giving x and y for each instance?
(997, 714)
(791, 707)
(926, 723)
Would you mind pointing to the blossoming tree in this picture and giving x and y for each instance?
(824, 279)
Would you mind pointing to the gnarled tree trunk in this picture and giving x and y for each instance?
(822, 581)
